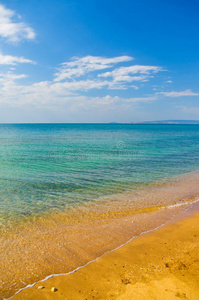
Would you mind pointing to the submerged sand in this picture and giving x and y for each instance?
(163, 264)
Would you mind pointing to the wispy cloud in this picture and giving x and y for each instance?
(72, 73)
(124, 73)
(109, 99)
(13, 60)
(69, 87)
(11, 77)
(11, 30)
(80, 66)
(142, 99)
(179, 94)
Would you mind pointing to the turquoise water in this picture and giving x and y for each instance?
(47, 167)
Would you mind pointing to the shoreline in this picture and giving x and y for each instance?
(62, 244)
(110, 276)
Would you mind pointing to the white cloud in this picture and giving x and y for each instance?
(11, 76)
(118, 78)
(123, 73)
(179, 94)
(8, 87)
(13, 60)
(13, 92)
(80, 66)
(56, 93)
(108, 99)
(11, 30)
(142, 99)
(135, 87)
(84, 85)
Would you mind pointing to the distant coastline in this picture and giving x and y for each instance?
(178, 122)
(159, 122)
(172, 122)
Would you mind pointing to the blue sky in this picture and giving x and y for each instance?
(99, 61)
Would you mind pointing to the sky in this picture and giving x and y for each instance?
(95, 61)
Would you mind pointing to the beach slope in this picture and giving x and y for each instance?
(163, 264)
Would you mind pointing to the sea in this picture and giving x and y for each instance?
(70, 193)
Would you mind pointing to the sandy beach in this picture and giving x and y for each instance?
(163, 264)
(61, 242)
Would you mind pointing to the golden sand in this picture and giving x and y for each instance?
(160, 265)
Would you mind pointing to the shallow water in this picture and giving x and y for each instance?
(69, 193)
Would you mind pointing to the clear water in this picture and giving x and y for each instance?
(48, 167)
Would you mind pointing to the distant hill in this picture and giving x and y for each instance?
(163, 122)
(173, 122)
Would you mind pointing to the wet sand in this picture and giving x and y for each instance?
(163, 264)
(63, 241)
